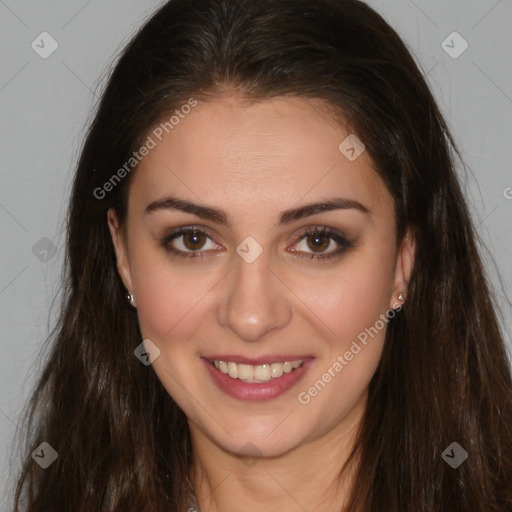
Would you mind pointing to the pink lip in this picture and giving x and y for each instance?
(254, 392)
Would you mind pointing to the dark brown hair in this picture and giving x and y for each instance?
(122, 442)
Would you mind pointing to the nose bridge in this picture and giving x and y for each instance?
(255, 301)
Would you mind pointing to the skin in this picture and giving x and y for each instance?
(254, 162)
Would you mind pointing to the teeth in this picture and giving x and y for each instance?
(245, 371)
(259, 373)
(276, 369)
(262, 372)
(233, 370)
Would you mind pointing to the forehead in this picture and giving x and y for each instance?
(276, 152)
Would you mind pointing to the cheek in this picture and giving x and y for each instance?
(354, 297)
(352, 307)
(169, 303)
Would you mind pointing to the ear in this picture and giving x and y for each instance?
(119, 242)
(403, 270)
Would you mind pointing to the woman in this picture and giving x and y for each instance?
(308, 324)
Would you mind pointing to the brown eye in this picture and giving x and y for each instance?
(194, 240)
(321, 243)
(318, 242)
(189, 242)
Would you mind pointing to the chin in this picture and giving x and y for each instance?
(267, 439)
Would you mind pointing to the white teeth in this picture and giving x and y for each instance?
(276, 369)
(259, 373)
(245, 372)
(262, 372)
(233, 370)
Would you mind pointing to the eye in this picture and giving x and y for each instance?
(319, 240)
(188, 241)
(193, 241)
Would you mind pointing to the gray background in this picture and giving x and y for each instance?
(46, 103)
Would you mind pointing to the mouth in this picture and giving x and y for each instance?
(260, 373)
(256, 380)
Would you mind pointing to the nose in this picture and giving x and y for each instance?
(255, 301)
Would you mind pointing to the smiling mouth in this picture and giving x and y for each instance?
(256, 373)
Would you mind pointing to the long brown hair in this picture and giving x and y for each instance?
(122, 442)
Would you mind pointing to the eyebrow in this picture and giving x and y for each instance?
(219, 216)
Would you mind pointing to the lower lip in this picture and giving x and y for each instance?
(254, 392)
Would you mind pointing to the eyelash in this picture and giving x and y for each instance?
(316, 231)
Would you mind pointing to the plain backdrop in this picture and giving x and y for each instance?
(46, 102)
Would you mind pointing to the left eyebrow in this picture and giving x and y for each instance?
(219, 216)
(338, 203)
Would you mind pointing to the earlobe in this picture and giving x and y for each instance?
(118, 241)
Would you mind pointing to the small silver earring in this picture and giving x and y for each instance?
(130, 298)
(401, 297)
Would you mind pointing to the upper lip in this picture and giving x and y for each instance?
(254, 361)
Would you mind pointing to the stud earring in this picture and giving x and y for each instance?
(397, 306)
(130, 298)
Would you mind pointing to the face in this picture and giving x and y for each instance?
(235, 270)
